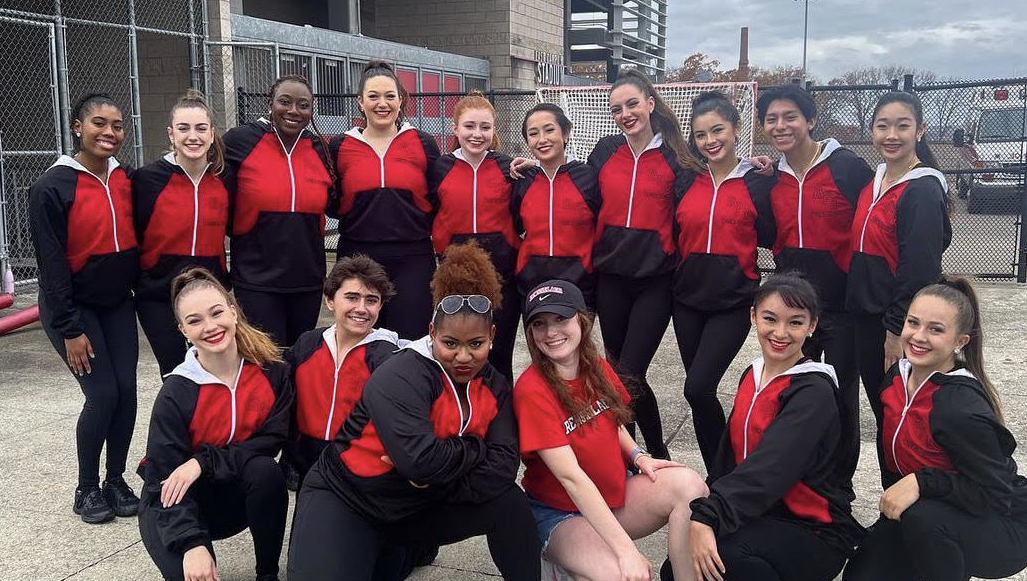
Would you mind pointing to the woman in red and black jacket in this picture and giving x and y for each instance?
(216, 426)
(180, 208)
(721, 216)
(778, 508)
(814, 200)
(472, 187)
(641, 171)
(384, 207)
(80, 219)
(280, 180)
(954, 505)
(900, 229)
(331, 365)
(429, 454)
(554, 207)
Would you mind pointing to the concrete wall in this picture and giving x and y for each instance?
(164, 75)
(506, 32)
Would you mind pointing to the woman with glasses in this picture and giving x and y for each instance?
(428, 456)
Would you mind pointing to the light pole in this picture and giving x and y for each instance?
(805, 35)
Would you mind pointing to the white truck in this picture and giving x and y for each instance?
(996, 140)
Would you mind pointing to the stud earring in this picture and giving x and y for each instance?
(956, 351)
(77, 134)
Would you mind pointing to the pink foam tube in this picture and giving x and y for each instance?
(6, 300)
(19, 319)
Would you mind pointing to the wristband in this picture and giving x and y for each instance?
(636, 453)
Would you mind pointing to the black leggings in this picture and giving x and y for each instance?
(161, 330)
(870, 335)
(355, 542)
(772, 549)
(835, 340)
(410, 266)
(109, 413)
(284, 316)
(507, 321)
(708, 341)
(937, 541)
(633, 316)
(257, 500)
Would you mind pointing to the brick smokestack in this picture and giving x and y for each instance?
(743, 55)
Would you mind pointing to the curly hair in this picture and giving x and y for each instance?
(466, 269)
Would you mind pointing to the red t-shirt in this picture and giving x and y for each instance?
(544, 424)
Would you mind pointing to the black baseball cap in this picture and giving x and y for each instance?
(554, 296)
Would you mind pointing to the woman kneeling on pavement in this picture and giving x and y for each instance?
(778, 507)
(217, 424)
(428, 456)
(571, 409)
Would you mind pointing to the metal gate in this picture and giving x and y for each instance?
(27, 149)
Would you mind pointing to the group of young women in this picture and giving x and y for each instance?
(401, 417)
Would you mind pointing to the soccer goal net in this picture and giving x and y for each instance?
(589, 110)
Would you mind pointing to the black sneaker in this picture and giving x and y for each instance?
(120, 497)
(91, 505)
(666, 571)
(267, 577)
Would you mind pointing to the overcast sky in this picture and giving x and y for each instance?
(966, 39)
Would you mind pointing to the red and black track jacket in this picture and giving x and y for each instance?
(328, 384)
(384, 198)
(180, 223)
(197, 416)
(778, 457)
(814, 219)
(83, 238)
(411, 413)
(949, 436)
(898, 237)
(474, 203)
(717, 230)
(278, 197)
(557, 218)
(634, 230)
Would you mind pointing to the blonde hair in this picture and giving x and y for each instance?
(253, 344)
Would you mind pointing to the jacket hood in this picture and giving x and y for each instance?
(192, 370)
(375, 335)
(911, 175)
(805, 367)
(828, 146)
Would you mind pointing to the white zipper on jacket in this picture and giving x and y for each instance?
(902, 417)
(551, 181)
(757, 390)
(288, 158)
(231, 390)
(335, 392)
(110, 203)
(713, 209)
(870, 210)
(631, 192)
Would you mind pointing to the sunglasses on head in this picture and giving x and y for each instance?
(452, 304)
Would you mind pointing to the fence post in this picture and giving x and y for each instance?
(894, 84)
(4, 247)
(63, 93)
(809, 86)
(1021, 262)
(133, 68)
(907, 83)
(240, 105)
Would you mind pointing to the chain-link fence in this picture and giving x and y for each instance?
(143, 53)
(976, 131)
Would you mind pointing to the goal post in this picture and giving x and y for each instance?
(589, 110)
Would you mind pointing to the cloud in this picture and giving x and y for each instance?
(850, 34)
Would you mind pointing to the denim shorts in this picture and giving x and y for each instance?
(546, 519)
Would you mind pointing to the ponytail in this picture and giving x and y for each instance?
(253, 344)
(663, 120)
(958, 292)
(193, 99)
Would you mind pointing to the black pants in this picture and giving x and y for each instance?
(109, 413)
(771, 549)
(257, 500)
(410, 266)
(284, 316)
(937, 541)
(835, 341)
(633, 316)
(355, 542)
(161, 329)
(708, 341)
(507, 320)
(870, 335)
